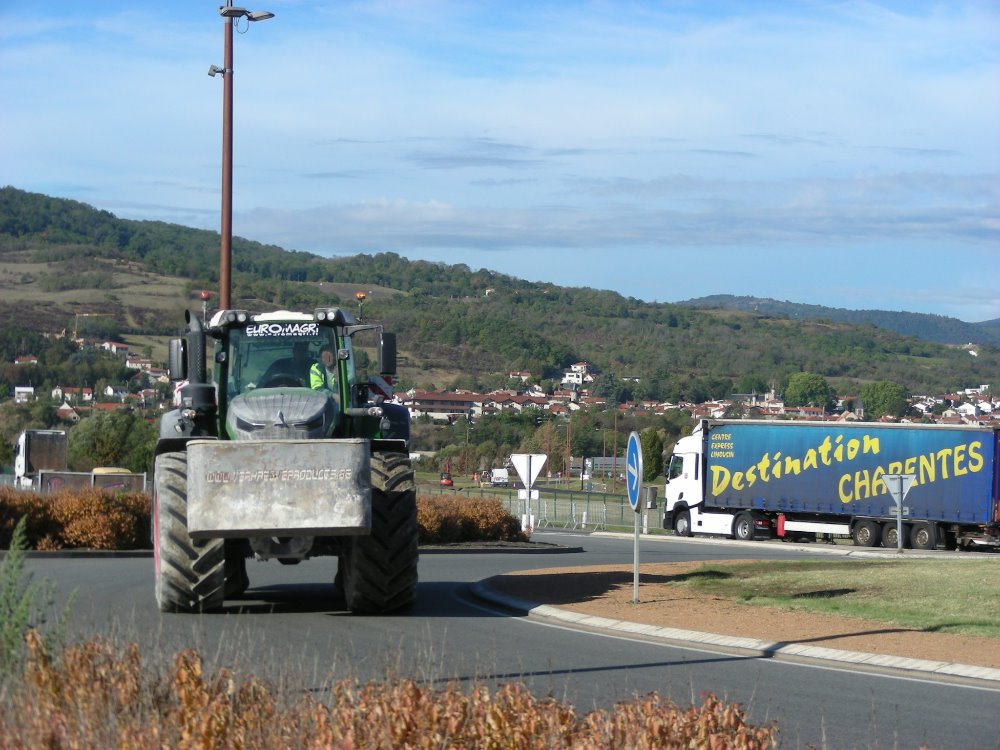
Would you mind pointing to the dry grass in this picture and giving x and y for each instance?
(94, 696)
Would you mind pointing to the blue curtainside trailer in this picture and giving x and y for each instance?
(749, 478)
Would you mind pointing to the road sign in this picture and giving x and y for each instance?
(528, 465)
(633, 469)
(898, 485)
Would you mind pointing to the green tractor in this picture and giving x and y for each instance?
(281, 453)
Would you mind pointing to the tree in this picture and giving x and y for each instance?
(884, 398)
(808, 389)
(120, 438)
(751, 384)
(652, 454)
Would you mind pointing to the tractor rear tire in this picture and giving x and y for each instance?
(380, 570)
(190, 573)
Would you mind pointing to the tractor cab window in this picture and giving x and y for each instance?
(273, 361)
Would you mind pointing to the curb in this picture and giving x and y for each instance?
(747, 646)
(843, 550)
(67, 554)
(536, 549)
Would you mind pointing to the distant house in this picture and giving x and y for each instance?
(72, 393)
(67, 413)
(968, 410)
(138, 363)
(578, 374)
(806, 412)
(107, 406)
(572, 378)
(27, 359)
(443, 405)
(23, 394)
(111, 392)
(115, 347)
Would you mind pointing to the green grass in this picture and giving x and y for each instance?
(946, 596)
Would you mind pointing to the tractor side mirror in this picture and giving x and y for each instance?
(387, 353)
(177, 359)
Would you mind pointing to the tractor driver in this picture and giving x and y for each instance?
(323, 374)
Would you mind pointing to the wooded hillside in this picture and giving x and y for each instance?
(62, 262)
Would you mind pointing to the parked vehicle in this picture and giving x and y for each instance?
(744, 478)
(40, 466)
(36, 451)
(446, 480)
(500, 477)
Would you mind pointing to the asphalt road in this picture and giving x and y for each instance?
(289, 628)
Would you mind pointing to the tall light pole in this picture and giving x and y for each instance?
(232, 15)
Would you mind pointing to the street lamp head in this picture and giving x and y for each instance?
(232, 11)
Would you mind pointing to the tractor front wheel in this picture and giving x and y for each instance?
(190, 573)
(379, 571)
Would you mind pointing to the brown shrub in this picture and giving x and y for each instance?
(447, 520)
(98, 519)
(89, 518)
(92, 697)
(39, 526)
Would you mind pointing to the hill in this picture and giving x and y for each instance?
(66, 266)
(937, 328)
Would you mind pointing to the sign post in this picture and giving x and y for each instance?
(899, 485)
(528, 466)
(633, 484)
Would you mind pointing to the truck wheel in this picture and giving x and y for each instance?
(380, 570)
(190, 573)
(890, 537)
(743, 527)
(866, 534)
(682, 523)
(923, 536)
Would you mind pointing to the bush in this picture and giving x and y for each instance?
(94, 697)
(88, 518)
(447, 520)
(101, 520)
(34, 510)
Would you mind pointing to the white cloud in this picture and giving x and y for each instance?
(519, 132)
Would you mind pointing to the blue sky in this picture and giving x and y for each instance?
(836, 153)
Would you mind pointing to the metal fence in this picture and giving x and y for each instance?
(558, 508)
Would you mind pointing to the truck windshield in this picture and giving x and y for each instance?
(676, 467)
